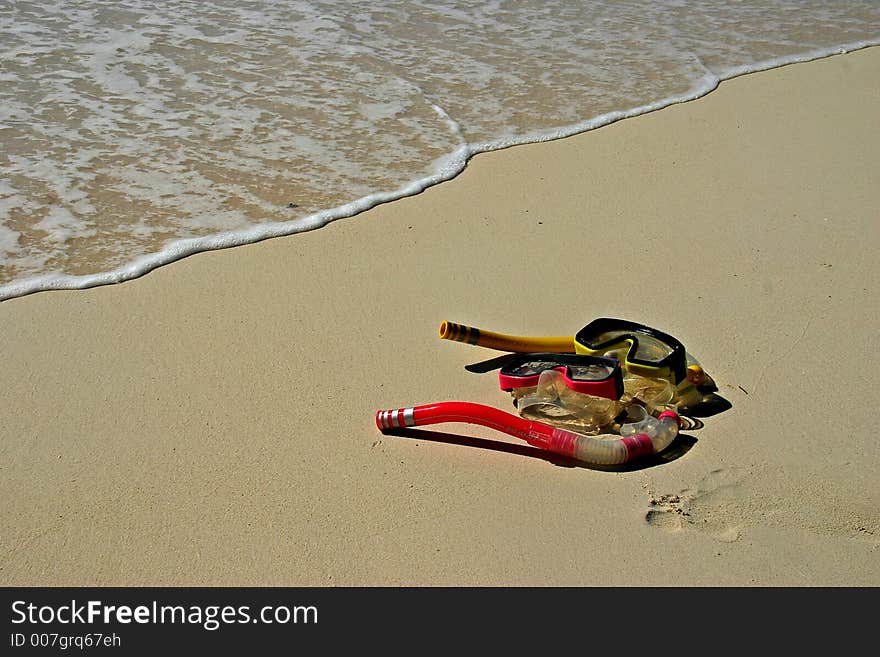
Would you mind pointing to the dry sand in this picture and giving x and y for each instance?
(212, 422)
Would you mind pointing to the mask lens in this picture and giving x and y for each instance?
(649, 348)
(589, 372)
(532, 368)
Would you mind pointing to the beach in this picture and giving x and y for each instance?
(212, 422)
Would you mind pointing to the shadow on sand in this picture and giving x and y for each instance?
(679, 447)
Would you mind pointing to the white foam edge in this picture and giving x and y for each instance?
(708, 83)
(452, 165)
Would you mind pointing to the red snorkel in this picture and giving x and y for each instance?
(607, 450)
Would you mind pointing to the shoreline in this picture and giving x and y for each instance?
(454, 165)
(213, 422)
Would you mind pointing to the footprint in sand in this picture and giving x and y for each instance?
(726, 502)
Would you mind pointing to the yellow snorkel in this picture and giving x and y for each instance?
(502, 342)
(649, 356)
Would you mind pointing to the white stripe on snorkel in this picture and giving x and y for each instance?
(396, 418)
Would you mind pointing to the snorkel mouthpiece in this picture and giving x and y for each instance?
(598, 450)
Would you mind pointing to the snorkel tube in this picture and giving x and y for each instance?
(637, 440)
(684, 373)
(502, 342)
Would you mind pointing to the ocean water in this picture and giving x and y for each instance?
(135, 132)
